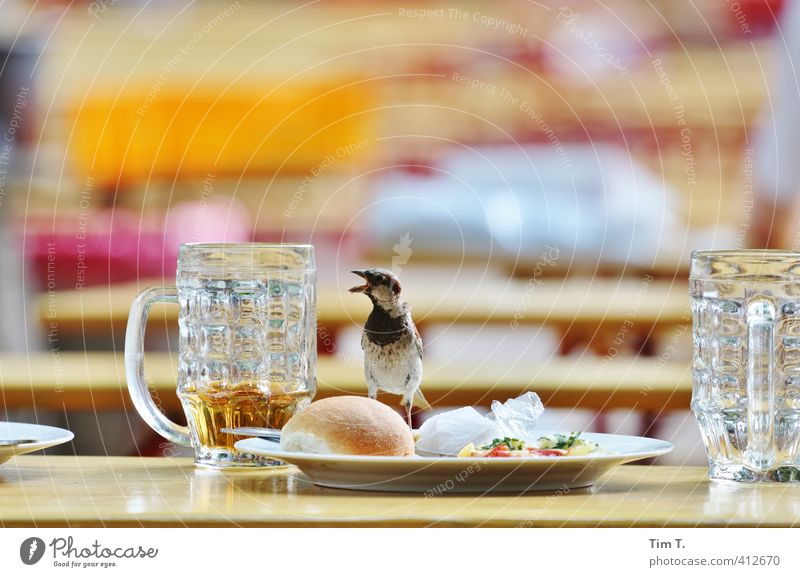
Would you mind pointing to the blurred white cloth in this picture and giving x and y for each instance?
(593, 203)
(776, 170)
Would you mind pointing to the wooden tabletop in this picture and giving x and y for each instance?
(464, 297)
(96, 381)
(131, 491)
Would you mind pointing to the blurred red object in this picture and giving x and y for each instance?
(753, 17)
(108, 246)
(114, 246)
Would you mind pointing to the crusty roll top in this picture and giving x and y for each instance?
(348, 425)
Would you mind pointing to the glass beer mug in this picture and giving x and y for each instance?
(247, 349)
(746, 367)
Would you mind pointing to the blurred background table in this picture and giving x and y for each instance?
(147, 492)
(579, 309)
(96, 381)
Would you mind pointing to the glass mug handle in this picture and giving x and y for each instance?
(134, 365)
(760, 453)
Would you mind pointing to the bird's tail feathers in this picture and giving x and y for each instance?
(419, 401)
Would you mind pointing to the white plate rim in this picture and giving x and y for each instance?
(660, 447)
(46, 436)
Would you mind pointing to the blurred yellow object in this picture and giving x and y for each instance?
(221, 130)
(467, 451)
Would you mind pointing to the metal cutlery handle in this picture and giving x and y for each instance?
(262, 432)
(15, 442)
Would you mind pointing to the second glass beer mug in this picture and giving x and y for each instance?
(247, 350)
(746, 368)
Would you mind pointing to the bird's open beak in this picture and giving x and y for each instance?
(360, 288)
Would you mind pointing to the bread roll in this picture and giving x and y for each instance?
(348, 426)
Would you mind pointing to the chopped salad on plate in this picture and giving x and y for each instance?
(556, 445)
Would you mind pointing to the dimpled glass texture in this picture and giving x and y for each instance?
(746, 363)
(247, 326)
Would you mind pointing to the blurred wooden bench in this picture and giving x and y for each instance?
(95, 381)
(581, 310)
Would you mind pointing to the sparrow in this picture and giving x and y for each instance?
(392, 345)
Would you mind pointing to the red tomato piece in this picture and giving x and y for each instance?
(499, 451)
(548, 452)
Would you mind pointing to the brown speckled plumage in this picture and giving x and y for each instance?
(392, 345)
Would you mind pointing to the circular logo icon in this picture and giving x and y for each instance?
(31, 550)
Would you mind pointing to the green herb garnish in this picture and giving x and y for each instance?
(512, 444)
(562, 441)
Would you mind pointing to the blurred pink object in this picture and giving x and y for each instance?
(221, 220)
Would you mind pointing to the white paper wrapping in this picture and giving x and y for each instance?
(447, 433)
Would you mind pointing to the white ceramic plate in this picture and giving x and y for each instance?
(34, 437)
(442, 475)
